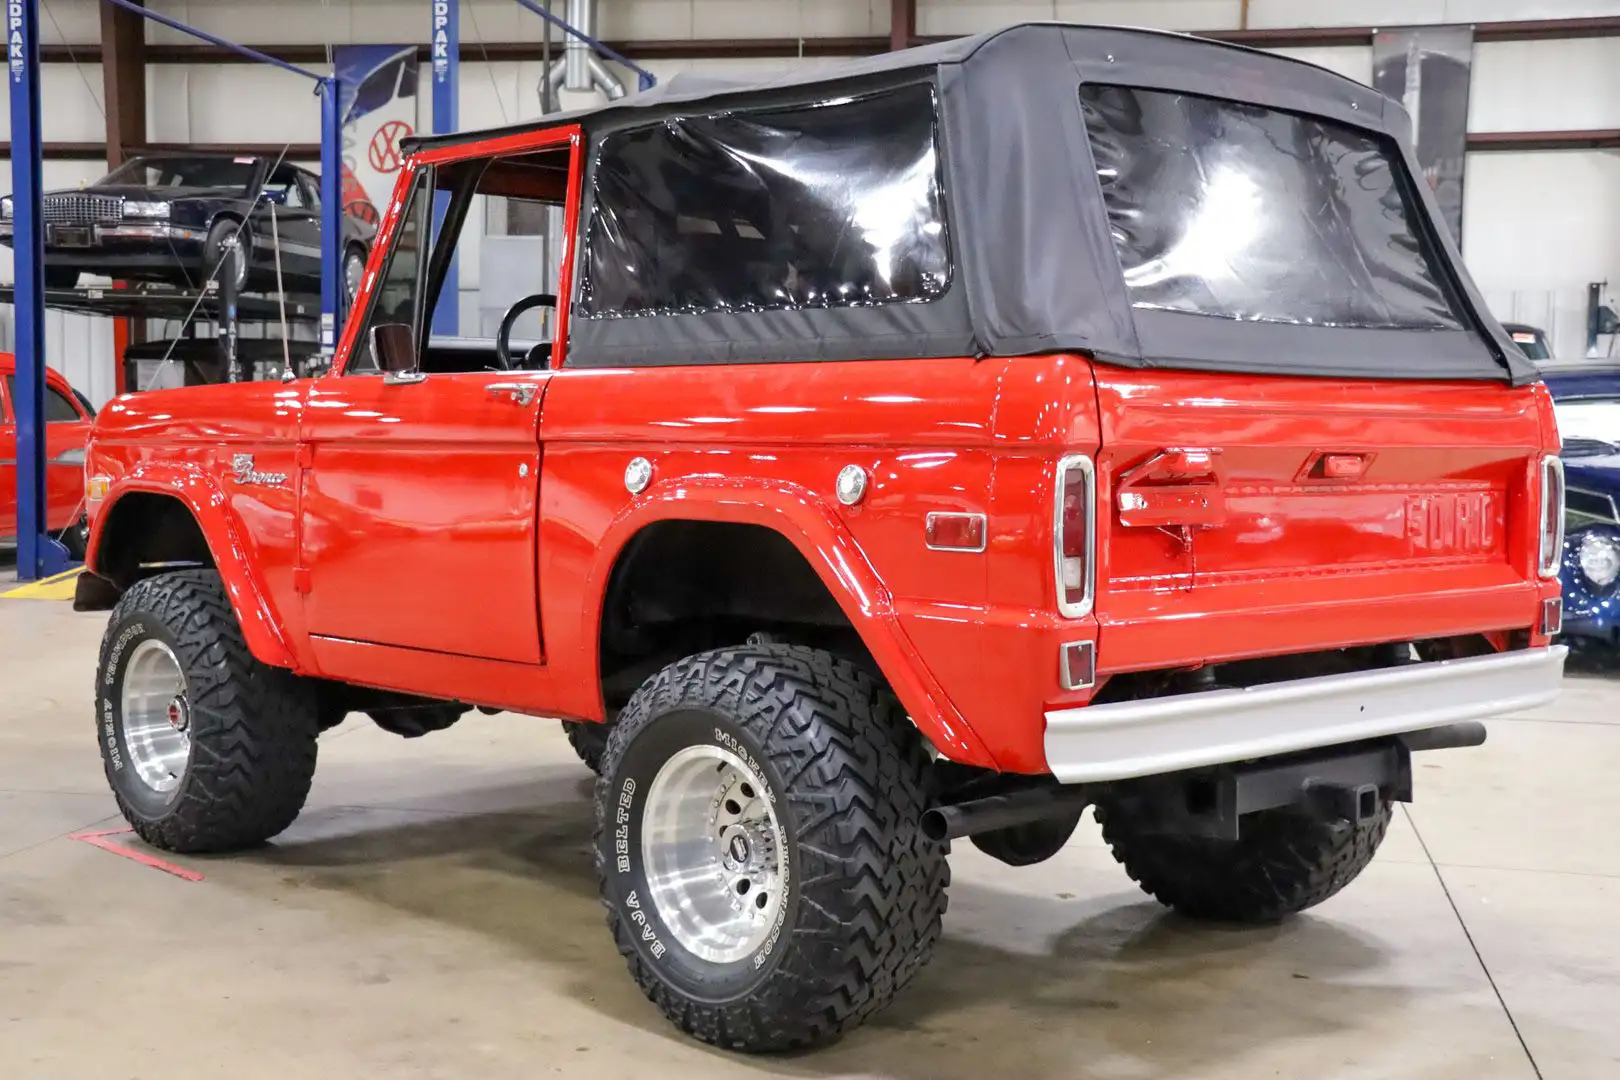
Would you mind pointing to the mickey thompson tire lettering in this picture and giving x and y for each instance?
(253, 727)
(847, 777)
(1284, 862)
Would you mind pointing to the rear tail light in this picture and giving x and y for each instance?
(1075, 536)
(1552, 516)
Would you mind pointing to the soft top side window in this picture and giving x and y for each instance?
(1243, 212)
(830, 205)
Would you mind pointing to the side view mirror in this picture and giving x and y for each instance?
(393, 348)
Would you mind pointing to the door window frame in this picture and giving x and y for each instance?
(424, 164)
(411, 179)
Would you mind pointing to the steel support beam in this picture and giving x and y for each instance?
(902, 24)
(446, 54)
(123, 80)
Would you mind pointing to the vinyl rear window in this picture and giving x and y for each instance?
(1240, 212)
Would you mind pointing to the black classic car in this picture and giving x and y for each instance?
(172, 217)
(1586, 396)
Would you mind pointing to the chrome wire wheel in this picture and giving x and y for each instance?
(156, 716)
(715, 857)
(354, 272)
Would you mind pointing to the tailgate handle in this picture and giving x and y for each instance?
(1173, 488)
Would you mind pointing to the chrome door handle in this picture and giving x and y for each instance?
(404, 378)
(522, 392)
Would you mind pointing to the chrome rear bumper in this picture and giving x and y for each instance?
(1159, 735)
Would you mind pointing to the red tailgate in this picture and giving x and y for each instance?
(1249, 515)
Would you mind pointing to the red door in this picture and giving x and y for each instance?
(418, 526)
(66, 429)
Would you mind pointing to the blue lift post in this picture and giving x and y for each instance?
(446, 53)
(38, 555)
(644, 78)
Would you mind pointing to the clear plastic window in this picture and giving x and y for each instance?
(1242, 212)
(833, 205)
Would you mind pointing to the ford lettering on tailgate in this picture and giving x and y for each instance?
(1454, 523)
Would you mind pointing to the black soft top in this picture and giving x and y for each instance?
(1036, 267)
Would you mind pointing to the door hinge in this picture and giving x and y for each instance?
(305, 457)
(300, 579)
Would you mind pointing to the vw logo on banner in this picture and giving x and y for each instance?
(379, 109)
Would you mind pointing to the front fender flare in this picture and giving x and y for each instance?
(811, 526)
(203, 498)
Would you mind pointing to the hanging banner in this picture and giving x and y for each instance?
(378, 106)
(1428, 69)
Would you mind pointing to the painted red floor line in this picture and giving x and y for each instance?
(99, 839)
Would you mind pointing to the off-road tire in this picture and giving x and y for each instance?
(848, 778)
(253, 727)
(1286, 861)
(589, 742)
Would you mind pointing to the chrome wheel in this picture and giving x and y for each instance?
(354, 270)
(156, 716)
(714, 854)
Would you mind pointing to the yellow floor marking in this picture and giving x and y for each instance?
(59, 587)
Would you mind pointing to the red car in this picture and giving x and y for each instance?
(68, 417)
(926, 448)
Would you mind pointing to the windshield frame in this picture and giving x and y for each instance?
(130, 172)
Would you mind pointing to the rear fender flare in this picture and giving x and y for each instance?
(203, 498)
(813, 528)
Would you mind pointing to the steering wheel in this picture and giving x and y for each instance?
(503, 340)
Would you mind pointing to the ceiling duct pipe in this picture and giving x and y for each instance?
(581, 70)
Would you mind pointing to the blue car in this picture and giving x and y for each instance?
(1586, 396)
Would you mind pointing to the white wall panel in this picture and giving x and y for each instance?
(1351, 61)
(1159, 14)
(972, 16)
(247, 103)
(1545, 85)
(1536, 228)
(1410, 12)
(70, 104)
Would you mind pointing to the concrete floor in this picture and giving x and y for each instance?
(434, 914)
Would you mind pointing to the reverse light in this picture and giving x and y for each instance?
(1075, 535)
(146, 209)
(1599, 557)
(1552, 515)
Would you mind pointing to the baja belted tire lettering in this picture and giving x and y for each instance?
(860, 893)
(252, 728)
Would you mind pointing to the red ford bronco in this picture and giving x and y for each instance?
(934, 447)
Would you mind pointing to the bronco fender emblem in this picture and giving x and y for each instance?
(244, 473)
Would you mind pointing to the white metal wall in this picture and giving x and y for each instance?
(1538, 225)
